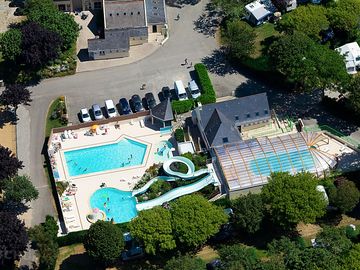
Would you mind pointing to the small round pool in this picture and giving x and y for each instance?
(116, 204)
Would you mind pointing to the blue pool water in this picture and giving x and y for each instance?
(301, 160)
(125, 153)
(121, 204)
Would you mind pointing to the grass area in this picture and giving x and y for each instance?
(207, 254)
(50, 121)
(73, 257)
(263, 33)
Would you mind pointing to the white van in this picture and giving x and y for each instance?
(110, 108)
(180, 90)
(194, 89)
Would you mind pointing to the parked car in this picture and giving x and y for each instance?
(97, 112)
(150, 100)
(85, 116)
(194, 89)
(124, 106)
(180, 90)
(166, 92)
(137, 104)
(110, 108)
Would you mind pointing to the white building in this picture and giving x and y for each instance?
(256, 13)
(351, 52)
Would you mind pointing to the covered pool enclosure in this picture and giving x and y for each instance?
(246, 165)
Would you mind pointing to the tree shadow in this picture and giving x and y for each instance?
(218, 64)
(80, 261)
(14, 207)
(7, 116)
(209, 21)
(181, 3)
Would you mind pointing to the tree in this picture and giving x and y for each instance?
(104, 242)
(45, 238)
(309, 19)
(9, 164)
(248, 212)
(185, 263)
(239, 257)
(53, 20)
(39, 46)
(13, 238)
(14, 95)
(353, 88)
(20, 188)
(195, 219)
(239, 38)
(293, 198)
(232, 9)
(307, 64)
(153, 228)
(345, 196)
(352, 262)
(280, 4)
(344, 18)
(10, 44)
(334, 240)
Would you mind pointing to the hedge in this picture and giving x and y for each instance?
(179, 135)
(182, 106)
(78, 237)
(208, 94)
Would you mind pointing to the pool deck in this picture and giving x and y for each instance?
(122, 178)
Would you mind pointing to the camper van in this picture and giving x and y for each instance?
(194, 89)
(180, 90)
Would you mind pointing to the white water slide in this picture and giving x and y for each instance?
(180, 191)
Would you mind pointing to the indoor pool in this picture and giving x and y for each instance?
(125, 153)
(116, 204)
(300, 161)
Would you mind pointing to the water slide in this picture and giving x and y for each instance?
(152, 181)
(179, 191)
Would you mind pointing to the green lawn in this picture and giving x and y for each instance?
(52, 123)
(263, 32)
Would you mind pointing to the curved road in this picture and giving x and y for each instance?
(83, 89)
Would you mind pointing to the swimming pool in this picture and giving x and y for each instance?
(301, 160)
(123, 154)
(116, 204)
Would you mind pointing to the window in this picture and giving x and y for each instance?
(257, 113)
(236, 117)
(117, 14)
(248, 115)
(110, 14)
(266, 112)
(138, 12)
(225, 140)
(131, 13)
(124, 13)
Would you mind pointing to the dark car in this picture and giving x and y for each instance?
(137, 104)
(150, 100)
(166, 92)
(124, 106)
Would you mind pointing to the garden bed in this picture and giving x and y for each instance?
(56, 116)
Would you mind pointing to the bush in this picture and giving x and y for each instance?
(208, 94)
(182, 106)
(179, 135)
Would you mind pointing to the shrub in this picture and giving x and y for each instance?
(179, 135)
(345, 196)
(208, 94)
(182, 106)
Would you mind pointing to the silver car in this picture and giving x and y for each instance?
(97, 112)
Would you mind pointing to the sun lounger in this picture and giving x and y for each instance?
(142, 124)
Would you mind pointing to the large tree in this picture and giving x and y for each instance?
(48, 16)
(293, 198)
(185, 263)
(14, 95)
(239, 257)
(45, 239)
(153, 228)
(239, 38)
(195, 219)
(352, 262)
(10, 44)
(232, 9)
(9, 164)
(13, 238)
(39, 46)
(307, 64)
(334, 240)
(19, 189)
(345, 196)
(248, 212)
(104, 242)
(353, 88)
(309, 19)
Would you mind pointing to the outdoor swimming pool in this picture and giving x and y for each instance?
(125, 153)
(301, 160)
(115, 203)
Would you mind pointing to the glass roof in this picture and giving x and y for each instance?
(247, 164)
